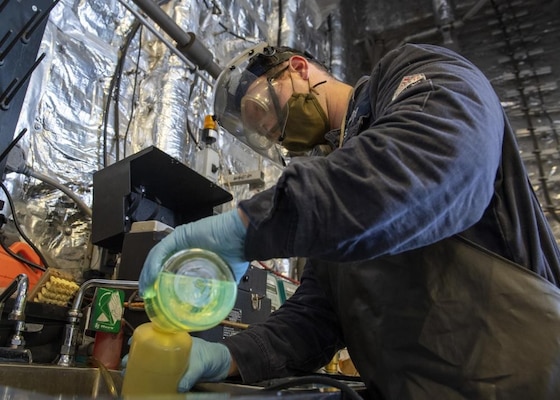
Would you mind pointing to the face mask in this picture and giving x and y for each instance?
(306, 122)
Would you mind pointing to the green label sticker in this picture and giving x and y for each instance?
(107, 310)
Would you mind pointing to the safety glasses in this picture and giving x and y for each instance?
(263, 118)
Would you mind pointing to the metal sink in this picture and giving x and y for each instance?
(19, 381)
(62, 382)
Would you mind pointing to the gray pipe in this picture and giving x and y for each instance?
(187, 43)
(53, 182)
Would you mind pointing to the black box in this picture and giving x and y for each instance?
(251, 306)
(149, 185)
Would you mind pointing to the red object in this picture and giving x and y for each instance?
(11, 267)
(107, 348)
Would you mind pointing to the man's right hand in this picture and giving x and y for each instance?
(208, 362)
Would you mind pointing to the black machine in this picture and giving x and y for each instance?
(149, 186)
(139, 200)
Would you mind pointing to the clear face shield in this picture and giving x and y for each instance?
(246, 103)
(263, 118)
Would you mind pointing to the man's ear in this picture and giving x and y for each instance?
(300, 65)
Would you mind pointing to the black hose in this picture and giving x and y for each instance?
(348, 392)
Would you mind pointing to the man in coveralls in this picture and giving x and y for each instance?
(428, 255)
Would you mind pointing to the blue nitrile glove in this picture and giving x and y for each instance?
(223, 234)
(208, 362)
(124, 362)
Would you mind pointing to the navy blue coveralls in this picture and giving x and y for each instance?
(391, 224)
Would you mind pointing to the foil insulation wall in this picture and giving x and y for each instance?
(80, 117)
(84, 113)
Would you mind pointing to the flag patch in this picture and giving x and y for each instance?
(408, 81)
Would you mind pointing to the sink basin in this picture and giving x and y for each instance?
(63, 382)
(19, 381)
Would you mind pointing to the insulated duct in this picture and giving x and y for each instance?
(187, 43)
(443, 11)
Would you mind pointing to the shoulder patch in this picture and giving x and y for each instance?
(408, 81)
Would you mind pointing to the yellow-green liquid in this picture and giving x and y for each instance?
(179, 302)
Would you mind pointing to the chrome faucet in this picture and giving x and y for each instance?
(20, 285)
(16, 350)
(71, 330)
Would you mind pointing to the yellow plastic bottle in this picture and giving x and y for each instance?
(156, 362)
(194, 291)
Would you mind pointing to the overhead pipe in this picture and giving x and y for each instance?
(187, 43)
(454, 24)
(474, 9)
(443, 11)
